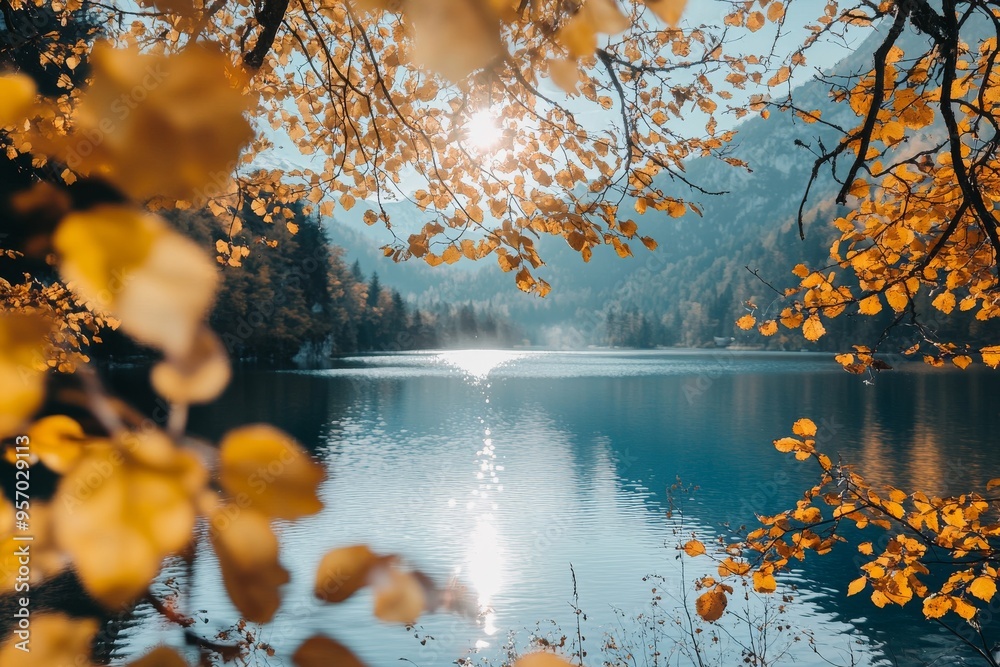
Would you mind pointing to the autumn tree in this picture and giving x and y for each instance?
(471, 111)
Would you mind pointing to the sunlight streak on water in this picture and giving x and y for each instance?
(478, 364)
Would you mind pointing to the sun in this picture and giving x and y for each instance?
(483, 131)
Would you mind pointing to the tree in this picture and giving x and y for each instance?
(456, 95)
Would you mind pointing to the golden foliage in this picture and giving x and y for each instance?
(56, 639)
(247, 549)
(22, 363)
(372, 91)
(17, 93)
(322, 651)
(541, 659)
(161, 656)
(694, 548)
(343, 572)
(157, 125)
(369, 91)
(921, 530)
(711, 604)
(130, 264)
(264, 468)
(399, 596)
(118, 513)
(198, 378)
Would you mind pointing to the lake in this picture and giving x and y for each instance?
(500, 470)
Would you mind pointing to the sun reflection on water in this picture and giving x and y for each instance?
(478, 364)
(484, 560)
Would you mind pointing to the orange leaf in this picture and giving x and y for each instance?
(711, 605)
(694, 548)
(857, 586)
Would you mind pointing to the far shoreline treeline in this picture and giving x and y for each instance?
(295, 299)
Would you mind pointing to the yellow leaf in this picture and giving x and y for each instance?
(937, 606)
(813, 329)
(451, 254)
(893, 509)
(541, 659)
(768, 328)
(983, 588)
(859, 188)
(694, 548)
(271, 471)
(292, 227)
(779, 77)
(162, 656)
(22, 356)
(248, 557)
(119, 512)
(755, 21)
(343, 572)
(320, 651)
(804, 427)
(791, 319)
(775, 11)
(870, 305)
(993, 483)
(892, 132)
(785, 445)
(578, 36)
(865, 548)
(845, 359)
(56, 639)
(991, 355)
(565, 73)
(198, 378)
(451, 37)
(399, 596)
(857, 586)
(669, 11)
(57, 441)
(711, 604)
(945, 302)
(764, 582)
(182, 141)
(131, 265)
(605, 16)
(962, 361)
(963, 608)
(17, 94)
(746, 322)
(733, 567)
(524, 280)
(800, 270)
(897, 298)
(347, 201)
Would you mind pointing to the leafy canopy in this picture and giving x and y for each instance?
(382, 95)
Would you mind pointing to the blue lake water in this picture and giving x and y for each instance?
(500, 470)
